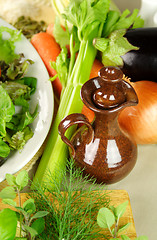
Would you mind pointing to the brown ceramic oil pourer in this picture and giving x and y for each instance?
(101, 148)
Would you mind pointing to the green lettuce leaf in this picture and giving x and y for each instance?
(7, 46)
(7, 110)
(4, 149)
(15, 89)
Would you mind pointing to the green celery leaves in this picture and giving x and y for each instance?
(61, 35)
(61, 66)
(86, 15)
(113, 47)
(116, 21)
(112, 43)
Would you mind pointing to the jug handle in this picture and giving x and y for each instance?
(71, 120)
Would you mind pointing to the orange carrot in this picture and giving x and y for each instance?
(48, 50)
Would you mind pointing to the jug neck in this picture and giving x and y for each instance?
(107, 123)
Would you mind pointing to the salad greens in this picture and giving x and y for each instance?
(15, 92)
(85, 21)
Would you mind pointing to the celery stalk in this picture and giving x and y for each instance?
(56, 152)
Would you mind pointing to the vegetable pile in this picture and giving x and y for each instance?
(15, 92)
(87, 21)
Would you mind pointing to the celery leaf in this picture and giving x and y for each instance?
(61, 36)
(118, 45)
(126, 21)
(115, 21)
(61, 66)
(84, 13)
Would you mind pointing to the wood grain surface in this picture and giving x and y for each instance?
(116, 197)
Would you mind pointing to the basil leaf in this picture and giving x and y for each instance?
(8, 224)
(105, 218)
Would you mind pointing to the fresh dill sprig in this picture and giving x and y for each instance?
(72, 208)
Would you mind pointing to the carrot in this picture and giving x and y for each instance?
(48, 50)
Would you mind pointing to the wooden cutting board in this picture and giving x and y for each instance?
(117, 197)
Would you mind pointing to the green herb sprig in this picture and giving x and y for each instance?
(31, 222)
(72, 207)
(108, 218)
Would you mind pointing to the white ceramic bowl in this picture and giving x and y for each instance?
(43, 97)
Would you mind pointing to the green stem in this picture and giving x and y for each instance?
(72, 54)
(54, 158)
(116, 228)
(56, 152)
(19, 198)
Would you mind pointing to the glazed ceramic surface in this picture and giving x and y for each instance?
(102, 149)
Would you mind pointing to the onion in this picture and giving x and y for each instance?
(140, 121)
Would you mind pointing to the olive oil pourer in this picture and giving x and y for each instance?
(100, 147)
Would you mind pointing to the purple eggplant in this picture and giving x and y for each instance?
(141, 64)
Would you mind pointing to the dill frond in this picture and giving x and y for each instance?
(72, 207)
